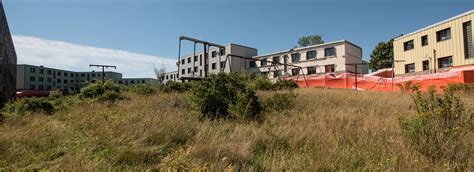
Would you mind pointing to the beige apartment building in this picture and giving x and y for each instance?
(437, 47)
(331, 57)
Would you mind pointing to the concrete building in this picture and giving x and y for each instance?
(436, 47)
(30, 77)
(193, 67)
(7, 60)
(330, 57)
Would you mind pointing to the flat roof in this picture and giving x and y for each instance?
(93, 71)
(308, 47)
(436, 24)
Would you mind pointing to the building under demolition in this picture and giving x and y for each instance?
(8, 60)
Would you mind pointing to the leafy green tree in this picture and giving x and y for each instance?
(310, 40)
(382, 56)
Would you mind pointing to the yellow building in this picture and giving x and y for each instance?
(437, 47)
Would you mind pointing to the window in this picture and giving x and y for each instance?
(71, 81)
(48, 87)
(295, 71)
(295, 57)
(83, 75)
(93, 75)
(41, 71)
(276, 59)
(222, 65)
(189, 60)
(32, 70)
(183, 71)
(311, 70)
(195, 58)
(49, 72)
(214, 66)
(329, 68)
(467, 34)
(65, 74)
(329, 52)
(200, 72)
(214, 54)
(59, 73)
(41, 79)
(77, 75)
(98, 74)
(32, 78)
(182, 61)
(195, 69)
(443, 34)
(200, 60)
(253, 64)
(65, 81)
(40, 87)
(48, 80)
(222, 51)
(264, 62)
(276, 73)
(409, 68)
(424, 40)
(310, 55)
(445, 62)
(408, 45)
(32, 87)
(58, 80)
(426, 65)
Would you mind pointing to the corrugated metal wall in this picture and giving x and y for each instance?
(7, 61)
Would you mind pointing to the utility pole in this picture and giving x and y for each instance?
(356, 71)
(103, 67)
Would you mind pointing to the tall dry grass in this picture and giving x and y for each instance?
(326, 129)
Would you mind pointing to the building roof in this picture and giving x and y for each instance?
(307, 47)
(436, 24)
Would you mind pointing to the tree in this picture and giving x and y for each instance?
(382, 56)
(310, 40)
(160, 73)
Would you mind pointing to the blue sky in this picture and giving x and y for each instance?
(148, 29)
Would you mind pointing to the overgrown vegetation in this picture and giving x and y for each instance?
(437, 130)
(107, 91)
(142, 89)
(321, 130)
(178, 87)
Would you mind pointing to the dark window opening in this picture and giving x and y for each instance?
(253, 64)
(409, 68)
(424, 40)
(311, 70)
(445, 62)
(329, 68)
(444, 34)
(329, 51)
(310, 55)
(408, 45)
(468, 41)
(295, 57)
(426, 65)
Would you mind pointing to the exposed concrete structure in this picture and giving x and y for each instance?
(7, 59)
(436, 47)
(31, 77)
(330, 57)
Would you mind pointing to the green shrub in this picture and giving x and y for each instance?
(28, 105)
(280, 101)
(172, 86)
(111, 96)
(260, 83)
(285, 85)
(107, 91)
(142, 89)
(408, 87)
(435, 132)
(461, 87)
(212, 97)
(246, 105)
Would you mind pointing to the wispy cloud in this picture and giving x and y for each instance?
(75, 57)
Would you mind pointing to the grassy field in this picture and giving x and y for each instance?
(324, 129)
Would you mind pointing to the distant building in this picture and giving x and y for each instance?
(436, 47)
(330, 57)
(193, 67)
(30, 77)
(7, 60)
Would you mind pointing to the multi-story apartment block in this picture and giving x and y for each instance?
(193, 67)
(31, 77)
(436, 47)
(331, 57)
(7, 60)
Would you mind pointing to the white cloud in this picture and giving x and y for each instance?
(75, 57)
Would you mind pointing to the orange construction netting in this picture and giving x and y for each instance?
(382, 81)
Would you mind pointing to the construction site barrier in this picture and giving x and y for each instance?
(382, 81)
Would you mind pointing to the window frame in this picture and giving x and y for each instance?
(308, 56)
(408, 69)
(439, 38)
(407, 43)
(330, 55)
(424, 40)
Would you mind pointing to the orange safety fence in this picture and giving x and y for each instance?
(382, 81)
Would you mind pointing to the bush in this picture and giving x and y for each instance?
(408, 87)
(142, 89)
(212, 97)
(28, 105)
(246, 105)
(107, 91)
(280, 101)
(180, 87)
(285, 85)
(461, 87)
(260, 83)
(435, 132)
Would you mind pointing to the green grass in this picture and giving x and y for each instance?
(324, 129)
